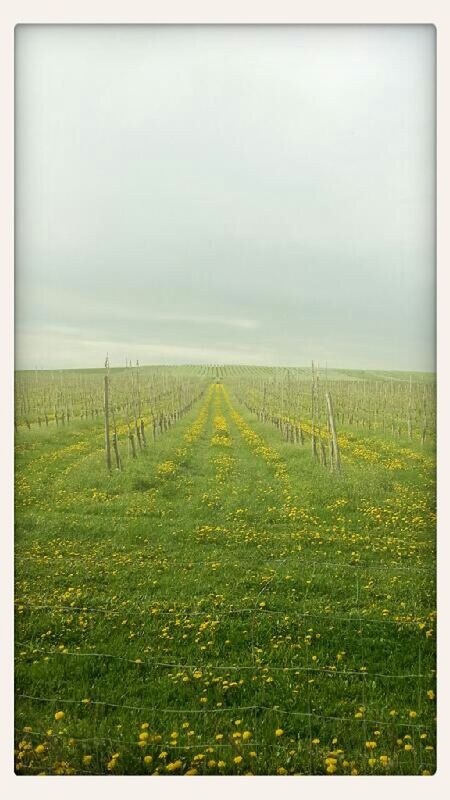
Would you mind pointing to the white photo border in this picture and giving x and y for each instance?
(436, 12)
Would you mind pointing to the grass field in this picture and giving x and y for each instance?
(225, 605)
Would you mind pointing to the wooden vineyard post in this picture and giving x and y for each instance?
(424, 421)
(107, 438)
(323, 457)
(409, 409)
(337, 458)
(313, 433)
(116, 443)
(144, 440)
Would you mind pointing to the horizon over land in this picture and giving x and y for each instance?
(288, 367)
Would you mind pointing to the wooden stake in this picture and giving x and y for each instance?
(107, 439)
(336, 455)
(313, 435)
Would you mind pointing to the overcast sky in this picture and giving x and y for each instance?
(197, 194)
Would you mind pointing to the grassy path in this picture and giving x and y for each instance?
(223, 606)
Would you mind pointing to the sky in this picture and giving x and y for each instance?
(225, 194)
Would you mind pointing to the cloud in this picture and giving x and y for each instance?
(259, 191)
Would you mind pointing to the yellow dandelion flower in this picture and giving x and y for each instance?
(279, 732)
(173, 766)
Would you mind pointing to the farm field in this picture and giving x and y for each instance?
(239, 593)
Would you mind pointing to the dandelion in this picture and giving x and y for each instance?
(237, 759)
(371, 745)
(87, 760)
(431, 695)
(59, 715)
(384, 760)
(40, 748)
(173, 766)
(221, 764)
(246, 736)
(148, 759)
(282, 771)
(413, 714)
(279, 732)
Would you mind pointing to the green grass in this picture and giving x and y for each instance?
(242, 587)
